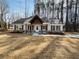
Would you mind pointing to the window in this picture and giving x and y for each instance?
(14, 27)
(28, 27)
(53, 28)
(22, 27)
(32, 27)
(43, 28)
(57, 28)
(37, 28)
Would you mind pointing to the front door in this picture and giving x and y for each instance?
(37, 28)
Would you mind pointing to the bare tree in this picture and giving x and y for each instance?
(3, 11)
(26, 9)
(58, 11)
(12, 18)
(53, 8)
(71, 3)
(62, 2)
(75, 17)
(67, 21)
(71, 14)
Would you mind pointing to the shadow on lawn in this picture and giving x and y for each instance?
(57, 51)
(17, 44)
(49, 51)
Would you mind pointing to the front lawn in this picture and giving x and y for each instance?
(22, 46)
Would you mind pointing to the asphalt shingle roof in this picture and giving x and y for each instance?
(22, 20)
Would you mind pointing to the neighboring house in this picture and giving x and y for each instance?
(37, 24)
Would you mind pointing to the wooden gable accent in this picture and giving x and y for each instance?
(36, 20)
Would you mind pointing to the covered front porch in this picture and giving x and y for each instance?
(38, 28)
(36, 25)
(42, 28)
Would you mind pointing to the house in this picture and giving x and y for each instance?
(36, 24)
(44, 21)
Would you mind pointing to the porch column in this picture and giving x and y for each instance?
(61, 28)
(24, 27)
(49, 27)
(27, 27)
(13, 27)
(55, 28)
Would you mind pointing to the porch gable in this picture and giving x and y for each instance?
(36, 20)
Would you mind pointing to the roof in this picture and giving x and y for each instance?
(22, 20)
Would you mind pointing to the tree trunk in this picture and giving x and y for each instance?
(3, 11)
(58, 12)
(2, 21)
(71, 26)
(75, 17)
(62, 11)
(67, 21)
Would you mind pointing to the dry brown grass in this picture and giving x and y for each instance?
(22, 46)
(71, 32)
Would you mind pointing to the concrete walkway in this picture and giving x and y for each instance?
(72, 35)
(67, 36)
